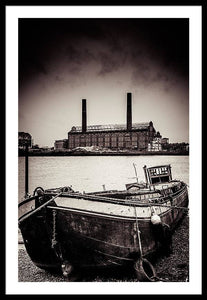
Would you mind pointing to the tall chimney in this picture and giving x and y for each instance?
(129, 111)
(83, 115)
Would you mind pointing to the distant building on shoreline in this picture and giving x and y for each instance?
(24, 139)
(127, 137)
(130, 136)
(156, 143)
(61, 144)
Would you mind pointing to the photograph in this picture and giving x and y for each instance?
(100, 99)
(104, 150)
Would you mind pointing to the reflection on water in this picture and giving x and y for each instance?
(90, 173)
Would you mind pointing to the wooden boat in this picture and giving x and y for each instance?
(63, 229)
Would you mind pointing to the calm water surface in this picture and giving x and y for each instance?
(90, 173)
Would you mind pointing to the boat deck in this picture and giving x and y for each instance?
(105, 203)
(121, 210)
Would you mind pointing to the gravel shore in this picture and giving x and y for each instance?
(172, 268)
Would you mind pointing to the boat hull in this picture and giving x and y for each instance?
(89, 238)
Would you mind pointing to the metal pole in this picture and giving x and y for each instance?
(26, 171)
(135, 171)
(145, 173)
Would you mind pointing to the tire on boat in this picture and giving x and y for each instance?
(144, 270)
(38, 191)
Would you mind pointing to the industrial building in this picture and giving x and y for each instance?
(61, 144)
(131, 136)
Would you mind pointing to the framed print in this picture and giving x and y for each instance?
(105, 107)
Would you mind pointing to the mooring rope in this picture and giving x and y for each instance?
(154, 277)
(138, 233)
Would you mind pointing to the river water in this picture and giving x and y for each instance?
(90, 173)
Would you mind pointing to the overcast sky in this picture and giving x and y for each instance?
(62, 61)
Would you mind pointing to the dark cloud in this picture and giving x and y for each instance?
(112, 44)
(108, 63)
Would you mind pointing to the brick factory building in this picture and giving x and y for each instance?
(134, 136)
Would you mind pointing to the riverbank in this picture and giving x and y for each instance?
(104, 153)
(172, 268)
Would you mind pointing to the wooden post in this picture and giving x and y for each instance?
(26, 171)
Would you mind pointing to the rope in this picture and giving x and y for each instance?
(138, 233)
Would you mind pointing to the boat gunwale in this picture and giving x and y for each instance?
(162, 199)
(27, 200)
(111, 216)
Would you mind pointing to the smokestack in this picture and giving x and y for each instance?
(84, 115)
(129, 111)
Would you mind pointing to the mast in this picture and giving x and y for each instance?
(135, 171)
(145, 173)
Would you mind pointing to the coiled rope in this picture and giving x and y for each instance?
(141, 262)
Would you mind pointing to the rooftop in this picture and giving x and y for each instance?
(111, 127)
